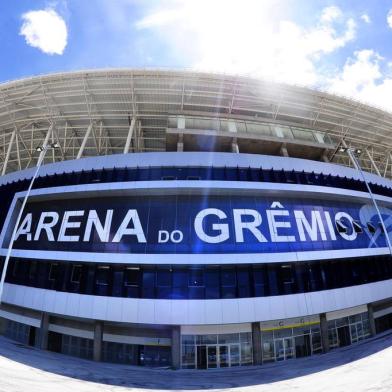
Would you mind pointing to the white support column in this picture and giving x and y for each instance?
(283, 150)
(180, 143)
(83, 145)
(7, 157)
(386, 165)
(181, 122)
(17, 151)
(47, 136)
(324, 156)
(373, 163)
(234, 146)
(130, 134)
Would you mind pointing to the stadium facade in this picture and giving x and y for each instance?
(192, 220)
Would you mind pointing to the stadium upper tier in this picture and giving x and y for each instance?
(102, 112)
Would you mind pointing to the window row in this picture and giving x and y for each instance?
(198, 282)
(201, 173)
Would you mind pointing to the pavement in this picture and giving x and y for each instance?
(364, 366)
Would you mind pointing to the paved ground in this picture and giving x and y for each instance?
(366, 366)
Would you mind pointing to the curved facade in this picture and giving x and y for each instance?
(242, 237)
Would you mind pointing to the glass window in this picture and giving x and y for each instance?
(102, 278)
(316, 342)
(76, 273)
(228, 276)
(267, 341)
(212, 283)
(281, 131)
(53, 271)
(286, 279)
(188, 360)
(228, 282)
(303, 134)
(259, 280)
(163, 277)
(33, 270)
(228, 338)
(148, 283)
(207, 339)
(132, 275)
(188, 339)
(243, 282)
(272, 279)
(164, 283)
(196, 277)
(15, 270)
(246, 354)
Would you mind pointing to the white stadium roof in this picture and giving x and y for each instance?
(103, 112)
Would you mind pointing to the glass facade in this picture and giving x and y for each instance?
(347, 330)
(198, 282)
(292, 342)
(216, 350)
(77, 346)
(17, 331)
(224, 125)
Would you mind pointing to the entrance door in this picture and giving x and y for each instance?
(302, 346)
(344, 336)
(284, 349)
(32, 336)
(212, 359)
(234, 355)
(201, 357)
(54, 341)
(224, 359)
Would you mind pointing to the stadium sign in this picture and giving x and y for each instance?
(195, 224)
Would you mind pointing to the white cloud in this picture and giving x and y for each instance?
(248, 37)
(45, 30)
(366, 18)
(330, 14)
(363, 78)
(389, 18)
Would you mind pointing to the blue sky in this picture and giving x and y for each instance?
(343, 47)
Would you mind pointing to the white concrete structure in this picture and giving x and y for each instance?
(242, 237)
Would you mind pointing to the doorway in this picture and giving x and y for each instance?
(217, 356)
(32, 334)
(344, 336)
(284, 349)
(302, 346)
(201, 355)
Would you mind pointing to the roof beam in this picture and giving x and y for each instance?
(373, 163)
(7, 157)
(83, 145)
(130, 134)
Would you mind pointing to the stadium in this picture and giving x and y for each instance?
(191, 220)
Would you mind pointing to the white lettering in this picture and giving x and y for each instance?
(25, 227)
(65, 224)
(312, 229)
(251, 226)
(163, 236)
(178, 234)
(137, 230)
(330, 225)
(274, 226)
(222, 228)
(54, 218)
(102, 231)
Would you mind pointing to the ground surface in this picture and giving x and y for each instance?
(366, 366)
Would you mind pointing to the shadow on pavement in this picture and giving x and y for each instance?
(147, 378)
